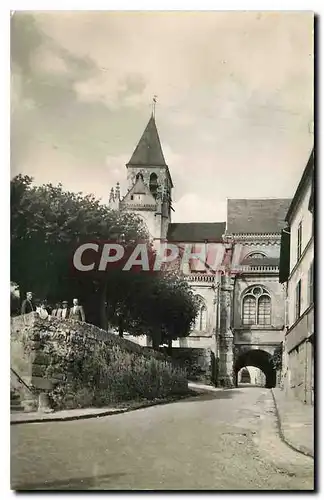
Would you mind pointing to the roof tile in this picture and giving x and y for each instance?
(256, 216)
(196, 231)
(148, 151)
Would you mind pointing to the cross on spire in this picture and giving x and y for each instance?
(153, 105)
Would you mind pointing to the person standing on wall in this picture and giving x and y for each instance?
(57, 311)
(64, 311)
(77, 312)
(27, 306)
(42, 311)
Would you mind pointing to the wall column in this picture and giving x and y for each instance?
(226, 339)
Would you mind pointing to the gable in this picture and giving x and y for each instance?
(139, 194)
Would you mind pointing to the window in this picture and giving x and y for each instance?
(249, 308)
(264, 310)
(299, 240)
(201, 318)
(153, 184)
(311, 284)
(256, 307)
(297, 300)
(139, 176)
(256, 255)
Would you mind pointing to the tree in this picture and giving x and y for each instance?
(48, 224)
(159, 304)
(276, 358)
(14, 300)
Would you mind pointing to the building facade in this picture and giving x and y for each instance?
(241, 318)
(297, 272)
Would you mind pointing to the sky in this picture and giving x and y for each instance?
(234, 101)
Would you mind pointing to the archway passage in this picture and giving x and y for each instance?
(260, 359)
(245, 377)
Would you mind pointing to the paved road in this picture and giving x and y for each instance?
(223, 440)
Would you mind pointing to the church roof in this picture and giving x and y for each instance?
(256, 216)
(148, 151)
(196, 231)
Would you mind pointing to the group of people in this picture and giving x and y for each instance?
(62, 311)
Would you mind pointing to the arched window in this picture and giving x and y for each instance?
(201, 318)
(139, 176)
(256, 307)
(256, 255)
(153, 183)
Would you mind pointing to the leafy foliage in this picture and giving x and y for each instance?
(47, 225)
(277, 358)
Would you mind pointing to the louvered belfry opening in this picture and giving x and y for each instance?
(153, 184)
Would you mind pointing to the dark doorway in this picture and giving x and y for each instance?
(260, 359)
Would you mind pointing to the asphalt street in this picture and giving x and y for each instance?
(221, 440)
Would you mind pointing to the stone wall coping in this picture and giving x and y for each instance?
(92, 331)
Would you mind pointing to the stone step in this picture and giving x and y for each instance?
(15, 401)
(15, 405)
(17, 408)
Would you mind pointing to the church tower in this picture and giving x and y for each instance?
(149, 183)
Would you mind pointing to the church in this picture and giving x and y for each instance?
(241, 321)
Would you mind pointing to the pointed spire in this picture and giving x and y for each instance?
(112, 196)
(117, 191)
(148, 152)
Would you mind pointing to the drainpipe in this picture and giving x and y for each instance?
(305, 380)
(233, 317)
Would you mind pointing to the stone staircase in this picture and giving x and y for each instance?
(22, 398)
(15, 402)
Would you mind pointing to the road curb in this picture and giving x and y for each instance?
(299, 449)
(107, 413)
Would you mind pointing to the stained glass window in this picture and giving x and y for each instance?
(256, 307)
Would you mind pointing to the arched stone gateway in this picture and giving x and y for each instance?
(260, 359)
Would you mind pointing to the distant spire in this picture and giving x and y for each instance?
(112, 196)
(117, 191)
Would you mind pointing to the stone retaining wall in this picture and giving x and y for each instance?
(79, 365)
